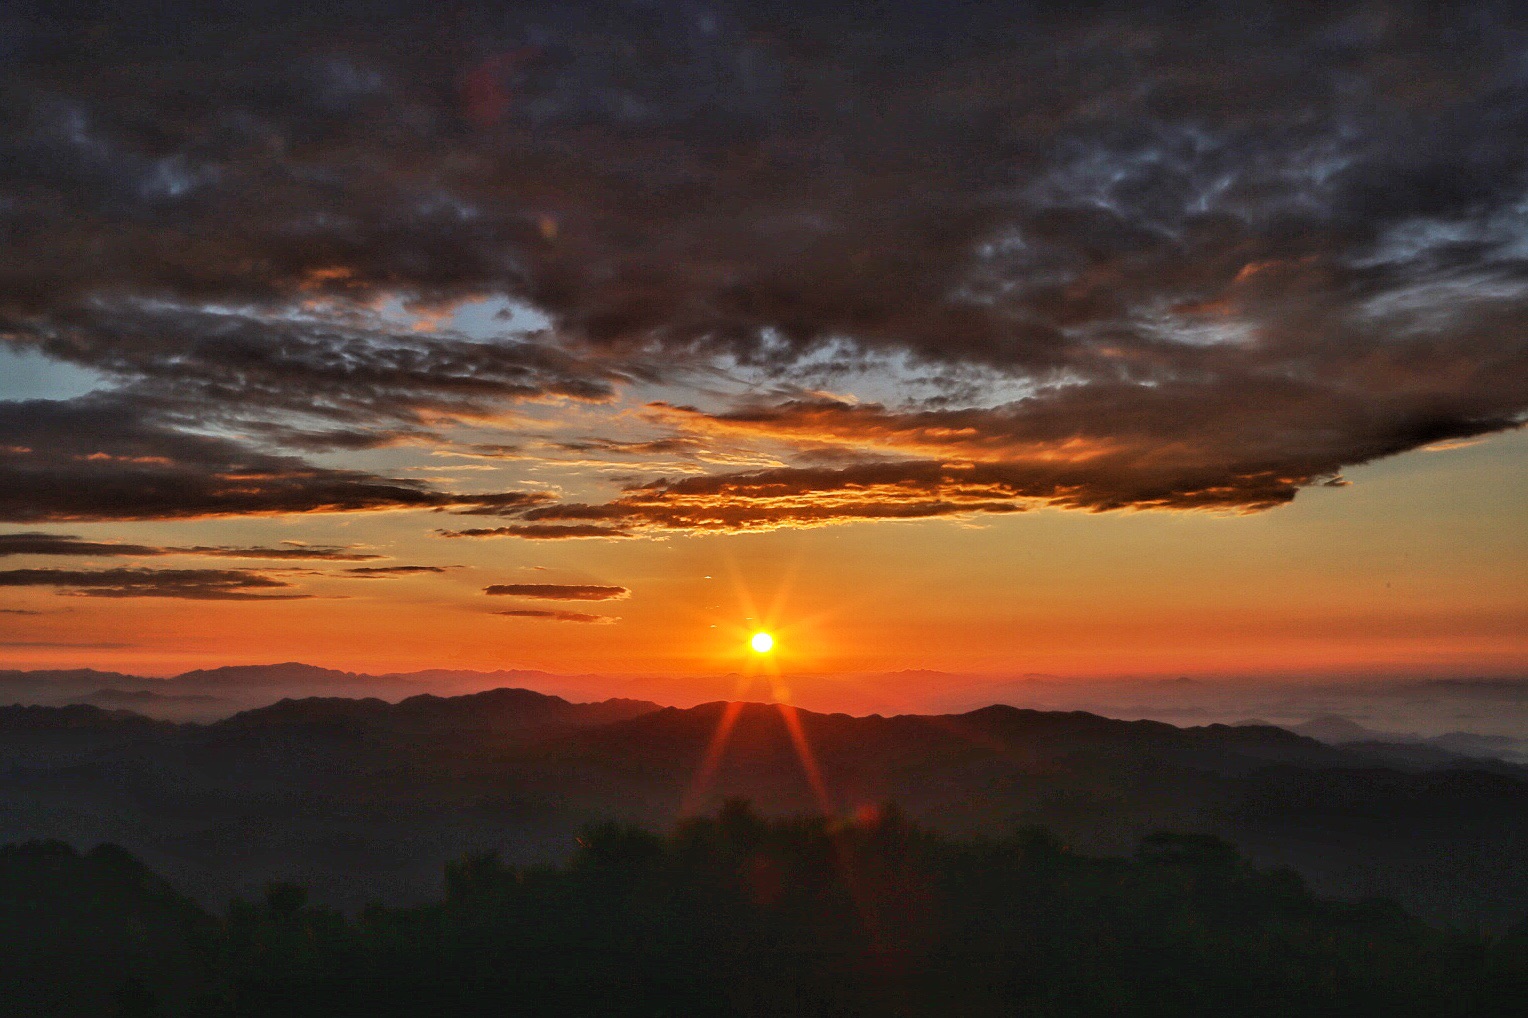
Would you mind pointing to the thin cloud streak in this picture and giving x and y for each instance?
(556, 615)
(185, 584)
(559, 591)
(38, 543)
(380, 572)
(541, 532)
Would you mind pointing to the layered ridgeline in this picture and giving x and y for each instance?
(1485, 718)
(206, 694)
(739, 915)
(363, 800)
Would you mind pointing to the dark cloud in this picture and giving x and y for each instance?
(559, 591)
(1297, 223)
(35, 543)
(314, 552)
(540, 531)
(555, 615)
(18, 611)
(383, 571)
(674, 446)
(1241, 444)
(188, 584)
(102, 457)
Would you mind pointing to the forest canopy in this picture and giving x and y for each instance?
(739, 914)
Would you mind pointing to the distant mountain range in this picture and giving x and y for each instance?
(212, 693)
(1476, 717)
(1340, 731)
(359, 797)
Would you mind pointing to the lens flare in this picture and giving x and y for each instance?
(762, 643)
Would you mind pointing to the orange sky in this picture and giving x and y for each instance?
(1418, 567)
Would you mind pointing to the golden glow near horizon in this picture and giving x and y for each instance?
(762, 643)
(1407, 572)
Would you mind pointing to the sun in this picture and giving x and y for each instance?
(762, 643)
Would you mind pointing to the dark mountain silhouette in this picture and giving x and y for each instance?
(30, 734)
(1474, 744)
(493, 712)
(1483, 719)
(361, 799)
(285, 673)
(76, 928)
(169, 706)
(214, 693)
(74, 717)
(60, 685)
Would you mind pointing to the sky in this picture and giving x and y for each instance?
(994, 339)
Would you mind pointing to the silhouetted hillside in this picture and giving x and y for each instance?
(52, 737)
(75, 928)
(364, 799)
(74, 717)
(500, 711)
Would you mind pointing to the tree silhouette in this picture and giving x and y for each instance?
(740, 914)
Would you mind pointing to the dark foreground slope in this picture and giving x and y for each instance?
(743, 916)
(364, 800)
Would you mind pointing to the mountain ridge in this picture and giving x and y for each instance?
(361, 797)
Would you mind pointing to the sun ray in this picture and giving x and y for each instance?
(808, 758)
(706, 772)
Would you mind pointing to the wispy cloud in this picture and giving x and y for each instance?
(555, 615)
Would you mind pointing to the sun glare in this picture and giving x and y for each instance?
(762, 643)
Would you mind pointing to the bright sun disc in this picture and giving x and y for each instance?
(762, 643)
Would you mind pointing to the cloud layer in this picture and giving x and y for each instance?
(1110, 256)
